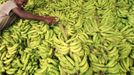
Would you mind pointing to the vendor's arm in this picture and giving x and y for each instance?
(26, 15)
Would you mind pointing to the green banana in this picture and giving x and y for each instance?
(84, 68)
(11, 71)
(113, 62)
(84, 60)
(51, 61)
(114, 69)
(89, 71)
(8, 61)
(70, 60)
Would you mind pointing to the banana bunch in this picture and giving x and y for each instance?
(59, 14)
(114, 70)
(112, 61)
(82, 36)
(56, 30)
(84, 66)
(125, 51)
(30, 6)
(11, 70)
(43, 67)
(53, 69)
(74, 45)
(125, 64)
(49, 34)
(67, 65)
(79, 23)
(48, 67)
(24, 60)
(70, 29)
(61, 46)
(9, 54)
(27, 64)
(127, 32)
(2, 48)
(44, 51)
(95, 64)
(73, 64)
(6, 38)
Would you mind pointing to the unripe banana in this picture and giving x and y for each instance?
(84, 68)
(114, 69)
(11, 71)
(84, 60)
(70, 60)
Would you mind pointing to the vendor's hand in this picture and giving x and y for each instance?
(50, 19)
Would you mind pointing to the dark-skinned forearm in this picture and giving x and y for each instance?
(27, 15)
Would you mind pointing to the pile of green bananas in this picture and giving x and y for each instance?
(92, 37)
